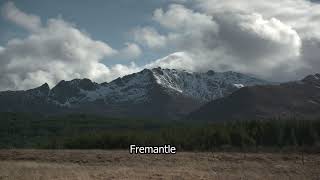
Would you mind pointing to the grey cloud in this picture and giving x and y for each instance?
(250, 36)
(229, 40)
(310, 54)
(301, 16)
(130, 52)
(179, 18)
(149, 37)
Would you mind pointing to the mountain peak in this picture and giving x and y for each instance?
(312, 79)
(42, 90)
(211, 72)
(45, 86)
(85, 84)
(146, 70)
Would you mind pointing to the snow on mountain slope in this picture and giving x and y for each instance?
(135, 87)
(203, 86)
(132, 88)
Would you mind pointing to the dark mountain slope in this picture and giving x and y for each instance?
(300, 99)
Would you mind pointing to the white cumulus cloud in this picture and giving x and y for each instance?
(131, 51)
(28, 21)
(228, 39)
(54, 52)
(149, 37)
(303, 16)
(277, 40)
(177, 17)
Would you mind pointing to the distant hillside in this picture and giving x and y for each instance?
(300, 99)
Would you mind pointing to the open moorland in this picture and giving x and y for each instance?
(99, 164)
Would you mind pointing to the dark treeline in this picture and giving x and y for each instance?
(89, 132)
(213, 136)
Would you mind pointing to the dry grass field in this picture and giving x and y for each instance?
(98, 164)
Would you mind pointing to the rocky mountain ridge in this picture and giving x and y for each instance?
(157, 89)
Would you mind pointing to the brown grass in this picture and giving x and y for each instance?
(96, 164)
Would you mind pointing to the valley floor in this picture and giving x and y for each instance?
(99, 164)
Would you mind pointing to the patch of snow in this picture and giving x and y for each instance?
(238, 85)
(125, 89)
(203, 86)
(313, 102)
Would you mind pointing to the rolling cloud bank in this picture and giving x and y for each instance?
(275, 40)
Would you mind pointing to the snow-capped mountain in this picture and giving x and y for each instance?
(167, 92)
(135, 87)
(203, 86)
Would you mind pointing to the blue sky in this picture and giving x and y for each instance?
(45, 41)
(108, 21)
